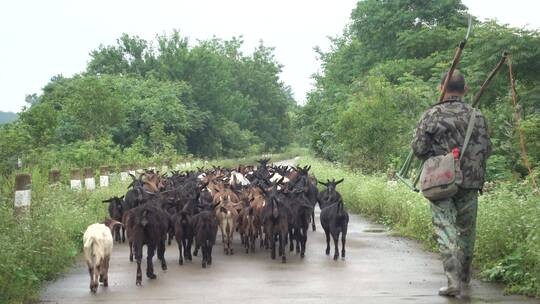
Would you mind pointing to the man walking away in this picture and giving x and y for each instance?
(441, 129)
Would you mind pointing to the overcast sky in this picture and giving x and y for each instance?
(40, 39)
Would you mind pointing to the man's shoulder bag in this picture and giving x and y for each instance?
(441, 175)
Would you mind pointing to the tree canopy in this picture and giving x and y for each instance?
(207, 99)
(383, 72)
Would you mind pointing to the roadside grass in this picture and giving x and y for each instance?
(40, 245)
(508, 226)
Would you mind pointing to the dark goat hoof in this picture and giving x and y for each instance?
(151, 276)
(327, 252)
(164, 267)
(138, 282)
(105, 283)
(203, 265)
(302, 255)
(336, 257)
(231, 251)
(180, 262)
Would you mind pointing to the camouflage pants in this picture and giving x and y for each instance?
(454, 222)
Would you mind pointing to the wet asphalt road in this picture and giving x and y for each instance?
(379, 268)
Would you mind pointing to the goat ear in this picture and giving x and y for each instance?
(322, 183)
(340, 181)
(121, 197)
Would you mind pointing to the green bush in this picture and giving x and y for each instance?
(40, 245)
(508, 227)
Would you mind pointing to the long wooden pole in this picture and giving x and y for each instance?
(518, 126)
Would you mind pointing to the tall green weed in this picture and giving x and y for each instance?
(508, 226)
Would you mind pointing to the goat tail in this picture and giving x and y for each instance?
(94, 250)
(340, 207)
(89, 250)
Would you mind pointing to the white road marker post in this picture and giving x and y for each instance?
(103, 176)
(124, 173)
(23, 192)
(89, 181)
(75, 179)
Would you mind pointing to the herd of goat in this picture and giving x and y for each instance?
(271, 205)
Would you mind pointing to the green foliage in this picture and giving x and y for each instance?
(383, 72)
(39, 246)
(508, 225)
(208, 99)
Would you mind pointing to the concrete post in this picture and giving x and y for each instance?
(23, 192)
(75, 179)
(89, 181)
(54, 177)
(103, 176)
(124, 172)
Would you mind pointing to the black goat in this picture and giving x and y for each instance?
(205, 228)
(117, 207)
(147, 225)
(334, 220)
(308, 184)
(183, 232)
(301, 211)
(276, 217)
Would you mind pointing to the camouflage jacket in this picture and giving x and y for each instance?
(443, 127)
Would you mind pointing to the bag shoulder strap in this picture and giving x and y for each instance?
(468, 134)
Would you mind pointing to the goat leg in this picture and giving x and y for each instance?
(161, 254)
(187, 250)
(137, 247)
(282, 247)
(204, 255)
(149, 264)
(180, 260)
(138, 280)
(335, 236)
(91, 273)
(130, 251)
(273, 246)
(291, 244)
(97, 274)
(343, 237)
(327, 242)
(209, 255)
(313, 220)
(303, 242)
(105, 271)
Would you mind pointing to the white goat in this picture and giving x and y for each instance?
(239, 178)
(98, 244)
